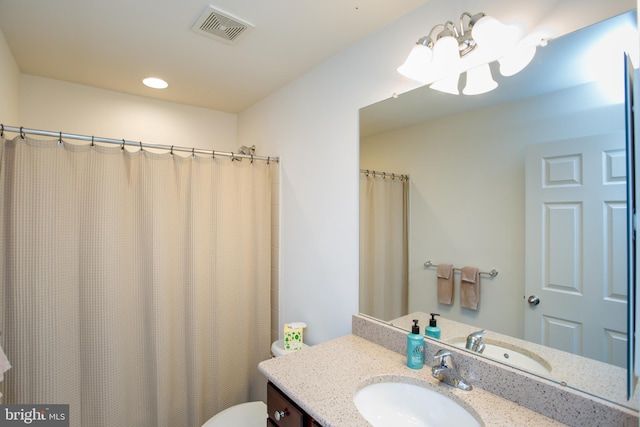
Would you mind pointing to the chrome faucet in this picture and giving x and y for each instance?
(445, 372)
(474, 341)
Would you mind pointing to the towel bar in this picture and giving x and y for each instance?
(492, 273)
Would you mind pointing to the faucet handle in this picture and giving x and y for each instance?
(474, 340)
(477, 334)
(444, 358)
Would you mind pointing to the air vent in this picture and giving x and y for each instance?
(221, 26)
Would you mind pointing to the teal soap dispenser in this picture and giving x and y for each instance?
(433, 330)
(415, 347)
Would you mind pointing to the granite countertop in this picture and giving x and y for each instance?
(323, 380)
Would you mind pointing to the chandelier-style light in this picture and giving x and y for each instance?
(439, 58)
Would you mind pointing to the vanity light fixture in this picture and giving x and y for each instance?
(155, 83)
(439, 58)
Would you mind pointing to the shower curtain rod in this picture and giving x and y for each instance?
(23, 131)
(384, 174)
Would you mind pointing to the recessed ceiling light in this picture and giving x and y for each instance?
(155, 83)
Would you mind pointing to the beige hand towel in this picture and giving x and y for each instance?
(470, 288)
(445, 284)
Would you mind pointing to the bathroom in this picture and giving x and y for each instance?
(311, 124)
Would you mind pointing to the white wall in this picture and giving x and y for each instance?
(468, 193)
(54, 105)
(312, 124)
(9, 84)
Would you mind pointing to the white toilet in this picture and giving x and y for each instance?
(250, 414)
(277, 348)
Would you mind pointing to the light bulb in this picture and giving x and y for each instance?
(479, 80)
(491, 34)
(446, 58)
(416, 67)
(155, 83)
(517, 60)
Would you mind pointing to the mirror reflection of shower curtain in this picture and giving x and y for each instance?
(383, 246)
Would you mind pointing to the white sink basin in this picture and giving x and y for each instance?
(397, 404)
(511, 355)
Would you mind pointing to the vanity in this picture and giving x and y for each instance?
(284, 412)
(322, 382)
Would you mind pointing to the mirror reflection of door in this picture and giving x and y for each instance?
(575, 244)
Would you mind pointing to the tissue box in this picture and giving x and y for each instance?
(293, 335)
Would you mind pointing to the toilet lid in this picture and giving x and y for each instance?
(250, 414)
(277, 348)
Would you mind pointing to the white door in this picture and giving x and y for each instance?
(576, 254)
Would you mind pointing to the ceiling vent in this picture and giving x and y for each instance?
(221, 26)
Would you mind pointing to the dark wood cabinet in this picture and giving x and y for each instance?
(283, 412)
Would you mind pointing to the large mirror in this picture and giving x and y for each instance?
(480, 171)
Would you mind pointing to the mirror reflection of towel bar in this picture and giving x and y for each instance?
(492, 273)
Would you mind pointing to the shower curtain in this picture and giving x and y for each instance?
(134, 284)
(383, 246)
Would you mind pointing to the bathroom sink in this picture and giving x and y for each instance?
(510, 355)
(398, 404)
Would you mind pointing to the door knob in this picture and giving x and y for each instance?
(533, 300)
(279, 415)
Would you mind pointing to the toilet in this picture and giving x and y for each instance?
(250, 414)
(277, 348)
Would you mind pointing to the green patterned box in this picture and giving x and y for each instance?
(293, 335)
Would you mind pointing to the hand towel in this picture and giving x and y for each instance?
(470, 288)
(4, 364)
(445, 284)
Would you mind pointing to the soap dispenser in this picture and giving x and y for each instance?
(415, 347)
(433, 330)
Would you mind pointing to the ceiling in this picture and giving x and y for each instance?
(114, 44)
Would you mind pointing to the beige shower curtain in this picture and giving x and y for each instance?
(383, 246)
(134, 285)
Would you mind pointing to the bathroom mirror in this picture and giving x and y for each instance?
(470, 205)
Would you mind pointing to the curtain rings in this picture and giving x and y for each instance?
(252, 159)
(193, 152)
(213, 154)
(268, 160)
(1, 130)
(171, 152)
(22, 135)
(122, 146)
(60, 138)
(92, 141)
(140, 146)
